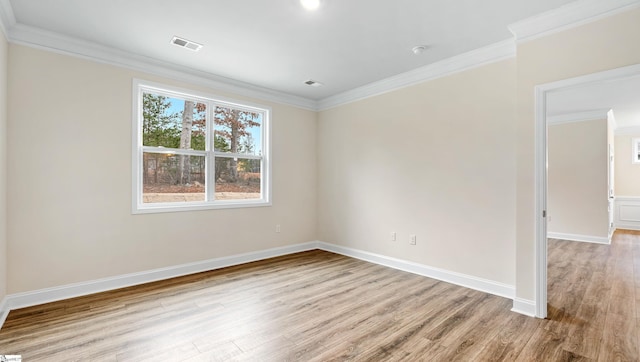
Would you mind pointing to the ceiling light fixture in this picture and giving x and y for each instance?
(310, 4)
(184, 43)
(419, 49)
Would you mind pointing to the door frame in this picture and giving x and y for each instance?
(541, 92)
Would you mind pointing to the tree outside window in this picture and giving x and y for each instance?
(197, 152)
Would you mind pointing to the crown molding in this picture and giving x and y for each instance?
(475, 58)
(568, 16)
(7, 18)
(577, 117)
(42, 39)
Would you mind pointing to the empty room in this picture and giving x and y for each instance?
(313, 180)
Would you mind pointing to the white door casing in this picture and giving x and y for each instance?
(541, 93)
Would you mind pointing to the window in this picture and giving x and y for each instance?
(193, 151)
(635, 148)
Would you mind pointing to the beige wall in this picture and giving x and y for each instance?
(577, 179)
(69, 176)
(435, 160)
(3, 166)
(601, 45)
(438, 160)
(627, 177)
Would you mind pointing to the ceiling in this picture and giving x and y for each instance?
(276, 44)
(621, 95)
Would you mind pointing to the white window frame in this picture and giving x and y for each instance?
(635, 150)
(139, 207)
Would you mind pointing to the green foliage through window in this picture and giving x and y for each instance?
(163, 122)
(179, 162)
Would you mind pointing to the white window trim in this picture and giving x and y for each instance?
(635, 149)
(139, 207)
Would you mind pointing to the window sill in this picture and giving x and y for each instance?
(196, 206)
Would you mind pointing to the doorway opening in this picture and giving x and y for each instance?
(542, 92)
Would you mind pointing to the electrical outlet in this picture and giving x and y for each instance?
(412, 239)
(277, 228)
(393, 236)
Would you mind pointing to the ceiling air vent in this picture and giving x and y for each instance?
(313, 83)
(184, 43)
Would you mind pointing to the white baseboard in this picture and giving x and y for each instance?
(22, 300)
(623, 226)
(467, 281)
(27, 299)
(582, 238)
(4, 311)
(524, 306)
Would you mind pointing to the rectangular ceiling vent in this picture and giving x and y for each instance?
(184, 43)
(313, 83)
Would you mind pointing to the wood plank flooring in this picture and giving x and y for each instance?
(318, 306)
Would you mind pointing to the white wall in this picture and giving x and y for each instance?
(69, 176)
(435, 160)
(627, 173)
(601, 45)
(3, 166)
(577, 181)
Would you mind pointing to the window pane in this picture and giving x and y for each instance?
(237, 179)
(173, 123)
(238, 131)
(173, 178)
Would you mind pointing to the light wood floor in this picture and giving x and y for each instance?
(318, 306)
